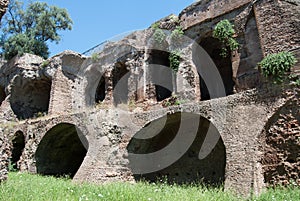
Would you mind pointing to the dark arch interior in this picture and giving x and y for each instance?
(120, 83)
(61, 151)
(189, 168)
(214, 48)
(2, 94)
(30, 98)
(18, 143)
(100, 91)
(163, 75)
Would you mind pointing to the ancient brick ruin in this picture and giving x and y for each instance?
(89, 116)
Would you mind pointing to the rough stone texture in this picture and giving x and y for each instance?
(278, 24)
(281, 159)
(4, 145)
(115, 96)
(3, 7)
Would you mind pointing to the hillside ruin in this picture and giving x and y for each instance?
(122, 114)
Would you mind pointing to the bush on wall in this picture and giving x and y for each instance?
(276, 65)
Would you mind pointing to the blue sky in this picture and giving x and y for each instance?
(96, 21)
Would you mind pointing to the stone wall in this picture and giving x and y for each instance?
(117, 94)
(4, 145)
(278, 25)
(281, 159)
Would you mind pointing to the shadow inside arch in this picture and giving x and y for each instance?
(188, 169)
(61, 151)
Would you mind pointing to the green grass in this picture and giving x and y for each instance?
(33, 187)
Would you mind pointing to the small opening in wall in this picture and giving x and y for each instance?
(2, 94)
(18, 143)
(100, 91)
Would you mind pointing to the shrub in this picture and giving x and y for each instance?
(159, 36)
(95, 57)
(177, 33)
(174, 59)
(276, 65)
(224, 31)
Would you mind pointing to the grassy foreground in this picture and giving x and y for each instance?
(21, 187)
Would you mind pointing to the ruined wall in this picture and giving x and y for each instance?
(281, 160)
(4, 145)
(5, 153)
(278, 25)
(109, 98)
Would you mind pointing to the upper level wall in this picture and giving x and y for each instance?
(209, 9)
(278, 25)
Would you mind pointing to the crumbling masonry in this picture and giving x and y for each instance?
(91, 117)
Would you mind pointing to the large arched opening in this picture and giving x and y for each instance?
(18, 145)
(223, 63)
(61, 151)
(189, 168)
(30, 98)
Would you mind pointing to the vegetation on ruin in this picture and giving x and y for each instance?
(177, 33)
(224, 31)
(22, 186)
(276, 66)
(28, 30)
(174, 59)
(159, 36)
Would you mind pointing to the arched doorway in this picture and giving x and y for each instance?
(188, 168)
(18, 144)
(61, 151)
(120, 83)
(223, 63)
(162, 77)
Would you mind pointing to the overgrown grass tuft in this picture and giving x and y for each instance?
(21, 186)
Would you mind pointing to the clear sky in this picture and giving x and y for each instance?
(98, 20)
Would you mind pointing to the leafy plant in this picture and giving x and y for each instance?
(174, 59)
(224, 31)
(276, 65)
(159, 36)
(95, 57)
(173, 100)
(28, 30)
(45, 64)
(177, 33)
(155, 25)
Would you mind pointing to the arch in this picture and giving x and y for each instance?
(120, 83)
(224, 65)
(18, 145)
(2, 94)
(61, 151)
(162, 77)
(188, 168)
(30, 98)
